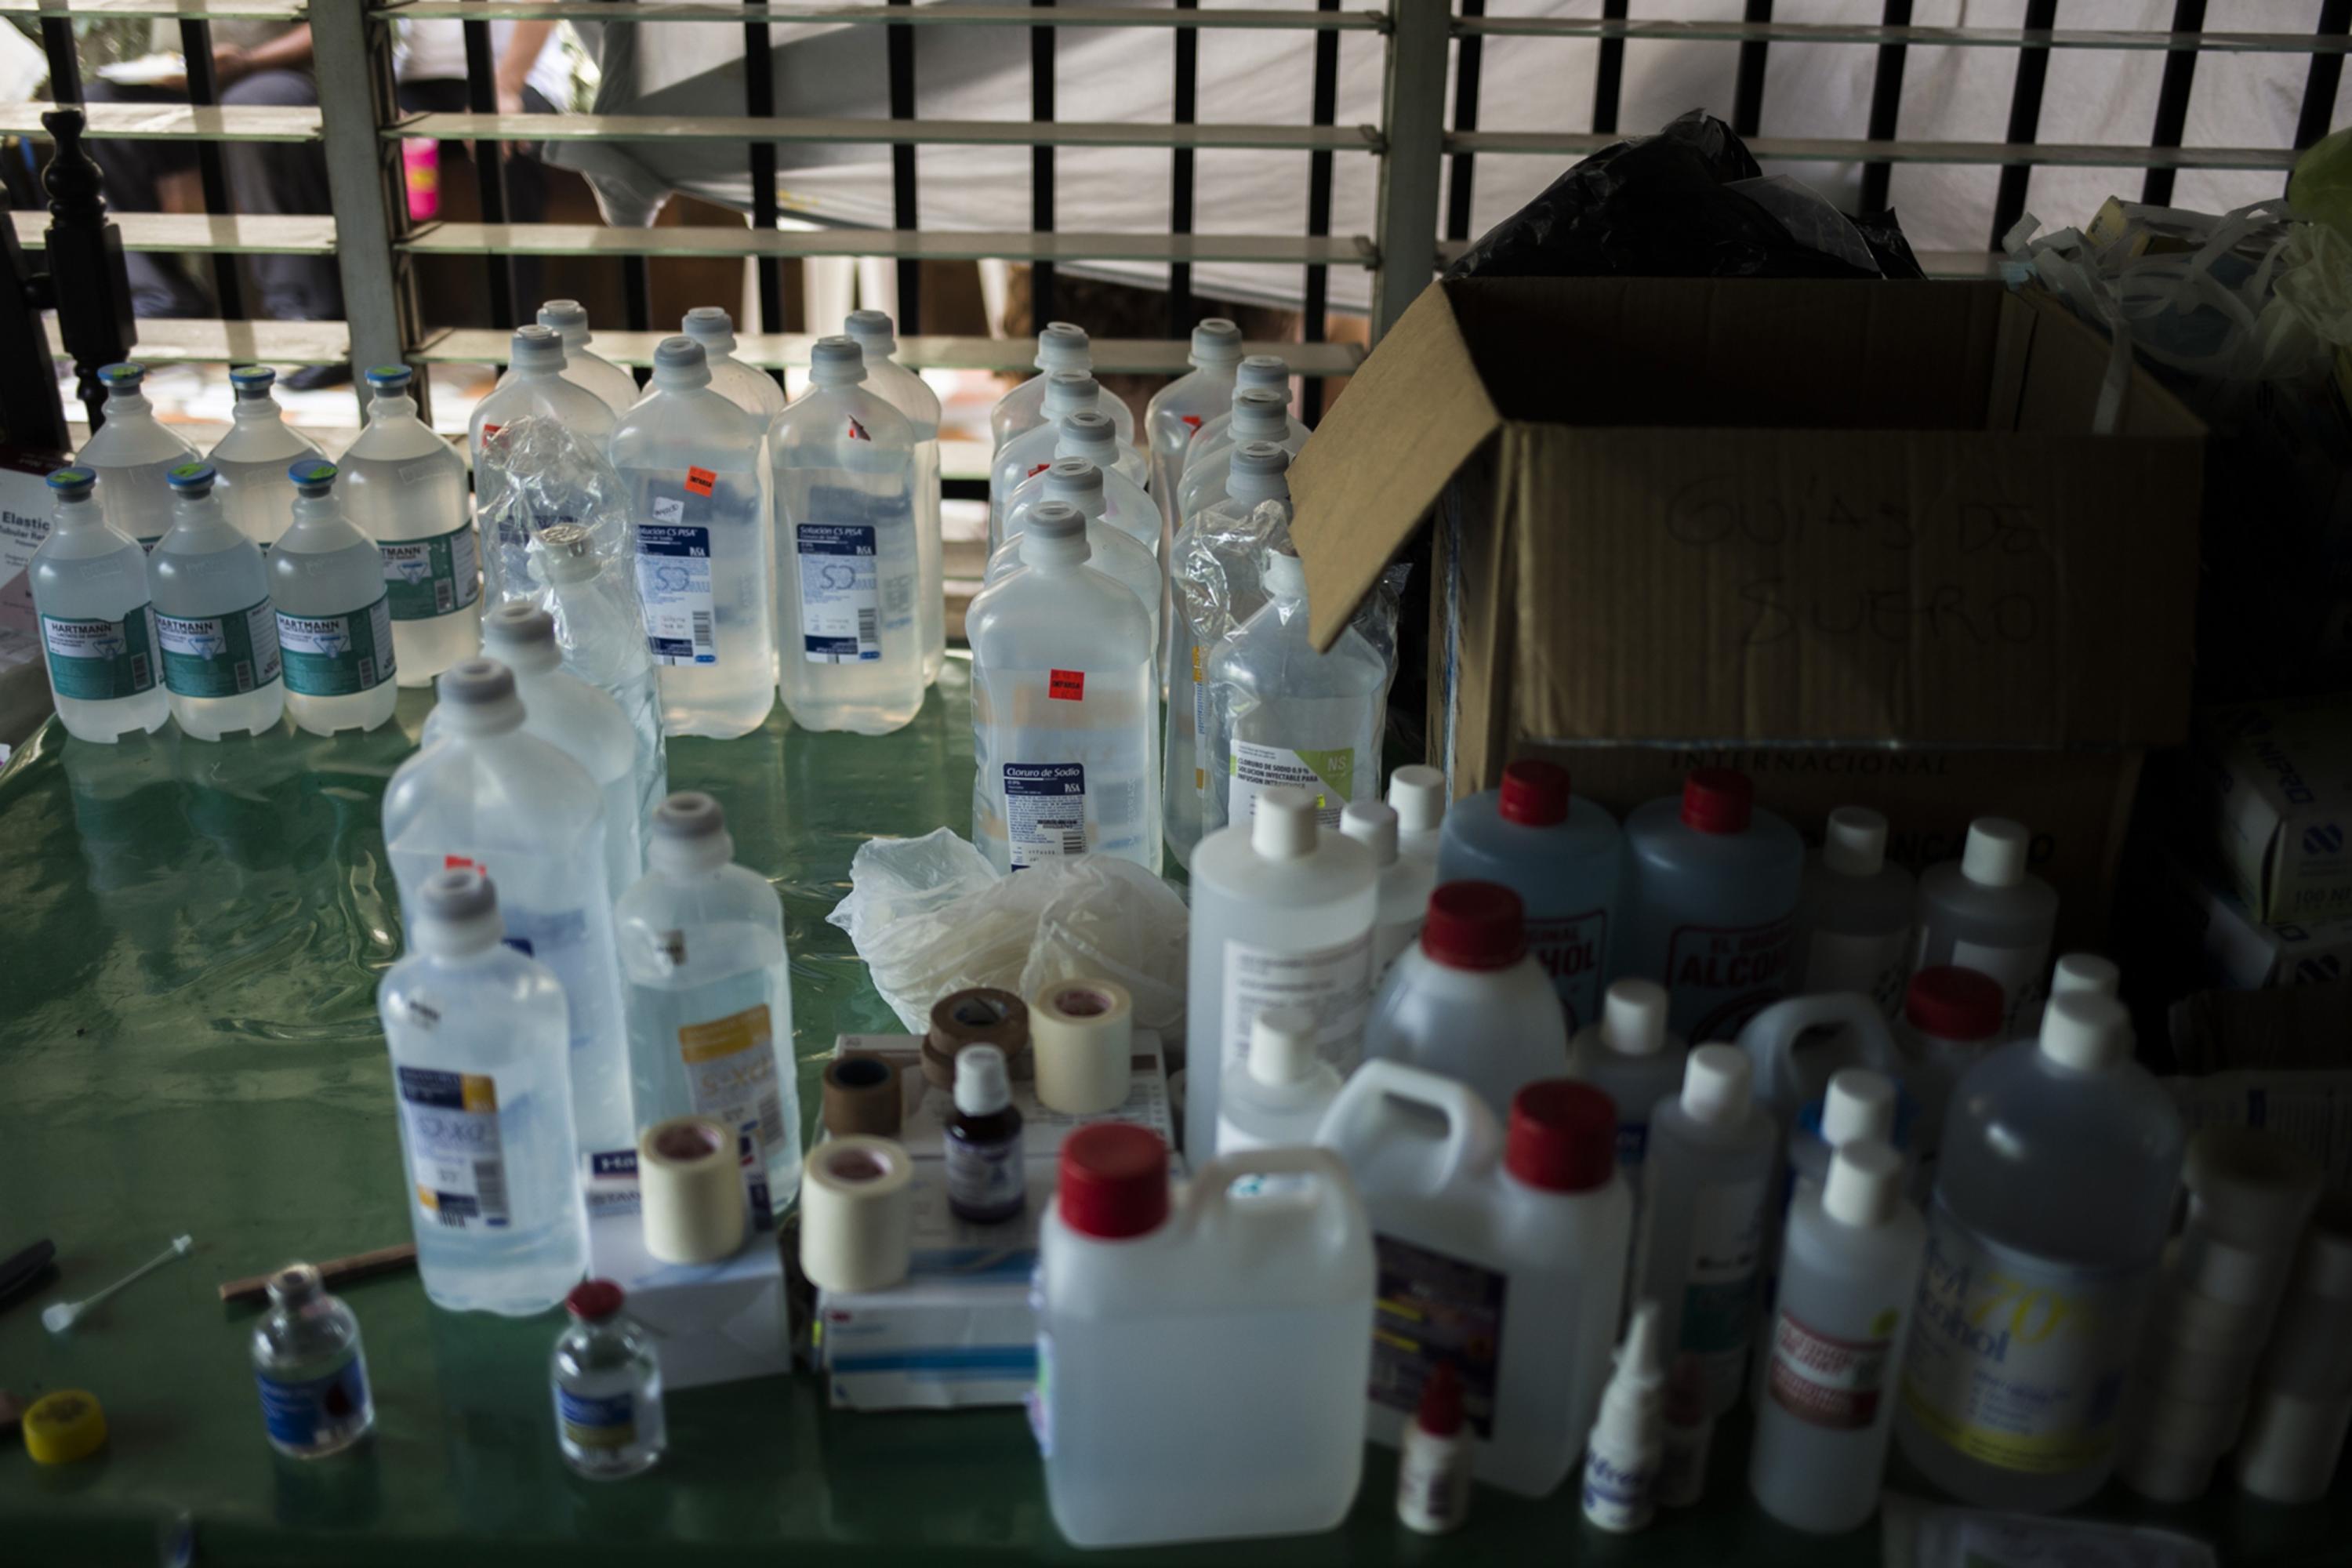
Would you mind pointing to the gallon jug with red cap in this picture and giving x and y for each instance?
(1469, 1001)
(1711, 887)
(1502, 1253)
(1201, 1359)
(1561, 855)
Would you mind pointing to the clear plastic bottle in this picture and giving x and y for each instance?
(848, 568)
(907, 393)
(710, 993)
(752, 390)
(537, 387)
(1711, 888)
(405, 488)
(1417, 792)
(1469, 1001)
(1259, 415)
(1028, 454)
(1271, 371)
(1060, 346)
(1951, 1021)
(88, 582)
(1631, 1057)
(1985, 911)
(1178, 410)
(609, 1421)
(334, 611)
(475, 1031)
(310, 1368)
(601, 629)
(1562, 855)
(1062, 705)
(1404, 890)
(1854, 923)
(1275, 1096)
(130, 454)
(698, 494)
(1111, 551)
(214, 620)
(2053, 1199)
(253, 459)
(1089, 435)
(613, 385)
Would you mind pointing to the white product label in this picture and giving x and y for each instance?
(2023, 973)
(730, 1077)
(1726, 1242)
(1831, 1382)
(673, 582)
(1620, 1489)
(1327, 776)
(455, 1153)
(841, 601)
(1878, 966)
(1333, 984)
(1571, 949)
(1433, 1482)
(1045, 811)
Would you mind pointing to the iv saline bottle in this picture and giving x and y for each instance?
(601, 631)
(1951, 1021)
(252, 459)
(1269, 371)
(405, 488)
(1062, 705)
(310, 1369)
(1089, 435)
(1711, 887)
(1112, 551)
(709, 998)
(479, 1068)
(1275, 1096)
(1631, 1057)
(130, 454)
(613, 386)
(752, 390)
(607, 1380)
(536, 388)
(97, 623)
(1067, 392)
(214, 618)
(1985, 911)
(334, 612)
(907, 393)
(697, 493)
(847, 559)
(1854, 921)
(1469, 1002)
(1404, 888)
(1562, 855)
(1259, 415)
(987, 1183)
(1179, 409)
(1060, 346)
(1623, 1455)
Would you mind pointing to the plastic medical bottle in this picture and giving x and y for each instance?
(1712, 1155)
(987, 1181)
(1067, 392)
(1112, 551)
(1469, 1001)
(1090, 436)
(1854, 923)
(1268, 371)
(130, 454)
(89, 582)
(1509, 1244)
(536, 388)
(907, 393)
(334, 612)
(1275, 1097)
(1849, 1275)
(1060, 347)
(1861, 1106)
(602, 633)
(752, 390)
(310, 1368)
(848, 571)
(1711, 887)
(1434, 1460)
(1417, 792)
(1259, 415)
(1562, 855)
(2052, 1198)
(214, 620)
(698, 494)
(251, 461)
(479, 1068)
(1628, 1441)
(607, 1381)
(404, 487)
(486, 793)
(1202, 1364)
(613, 385)
(1178, 410)
(1282, 917)
(1404, 890)
(1985, 911)
(1951, 1021)
(1631, 1057)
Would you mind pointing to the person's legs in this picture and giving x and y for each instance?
(284, 177)
(133, 173)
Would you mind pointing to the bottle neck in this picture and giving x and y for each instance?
(1255, 489)
(1103, 455)
(672, 380)
(525, 658)
(128, 406)
(834, 381)
(317, 510)
(481, 721)
(457, 941)
(73, 514)
(688, 860)
(1251, 425)
(256, 411)
(1037, 549)
(388, 405)
(878, 351)
(1087, 498)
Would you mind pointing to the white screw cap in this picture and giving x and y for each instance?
(1633, 1017)
(1374, 827)
(980, 1089)
(1716, 1084)
(1865, 1183)
(1855, 843)
(2086, 1033)
(2084, 972)
(1283, 828)
(1860, 1105)
(1281, 1046)
(1995, 856)
(1418, 792)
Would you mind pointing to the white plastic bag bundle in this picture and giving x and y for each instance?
(540, 473)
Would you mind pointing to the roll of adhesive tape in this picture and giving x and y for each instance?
(857, 1210)
(1082, 1036)
(861, 1095)
(691, 1186)
(980, 1017)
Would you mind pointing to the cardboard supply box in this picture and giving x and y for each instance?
(2208, 938)
(2277, 778)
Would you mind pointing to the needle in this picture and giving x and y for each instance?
(59, 1316)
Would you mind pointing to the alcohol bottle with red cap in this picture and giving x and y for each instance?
(1951, 1020)
(608, 1387)
(1562, 855)
(1853, 923)
(1501, 1244)
(1712, 881)
(1469, 1000)
(1986, 912)
(1202, 1359)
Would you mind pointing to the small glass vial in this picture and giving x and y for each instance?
(1433, 1465)
(608, 1388)
(309, 1366)
(986, 1182)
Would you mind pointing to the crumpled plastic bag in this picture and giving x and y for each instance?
(535, 472)
(1219, 579)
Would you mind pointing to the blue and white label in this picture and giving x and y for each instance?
(599, 1422)
(455, 1151)
(673, 582)
(840, 602)
(1045, 811)
(314, 1411)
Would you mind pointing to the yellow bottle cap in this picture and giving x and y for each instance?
(64, 1427)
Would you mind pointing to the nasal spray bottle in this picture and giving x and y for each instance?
(1620, 1459)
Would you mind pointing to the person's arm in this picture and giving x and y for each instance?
(523, 47)
(291, 50)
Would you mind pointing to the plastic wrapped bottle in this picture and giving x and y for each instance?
(88, 582)
(536, 386)
(1711, 888)
(1985, 911)
(613, 385)
(609, 1420)
(1276, 1095)
(404, 487)
(1268, 371)
(130, 454)
(1179, 409)
(1089, 435)
(213, 621)
(1067, 392)
(752, 390)
(848, 562)
(698, 493)
(907, 393)
(601, 629)
(253, 459)
(1631, 1058)
(1853, 923)
(1468, 1001)
(1562, 855)
(1404, 890)
(1259, 415)
(1113, 551)
(310, 1368)
(1060, 346)
(334, 612)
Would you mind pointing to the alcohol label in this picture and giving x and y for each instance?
(429, 577)
(841, 603)
(1721, 976)
(674, 582)
(1726, 1242)
(1878, 966)
(1430, 1308)
(1333, 984)
(1831, 1382)
(456, 1154)
(1572, 948)
(307, 1413)
(338, 656)
(220, 656)
(605, 1421)
(2022, 974)
(730, 1077)
(96, 660)
(1045, 811)
(1327, 776)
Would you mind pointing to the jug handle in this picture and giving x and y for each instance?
(1471, 1136)
(1771, 1035)
(1339, 1209)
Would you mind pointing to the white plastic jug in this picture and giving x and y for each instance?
(1793, 1063)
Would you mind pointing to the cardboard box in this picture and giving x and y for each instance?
(713, 1322)
(2278, 783)
(2206, 938)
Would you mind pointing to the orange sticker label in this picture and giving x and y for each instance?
(490, 430)
(699, 482)
(1066, 684)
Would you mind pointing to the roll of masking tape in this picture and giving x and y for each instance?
(980, 1017)
(691, 1187)
(858, 1209)
(861, 1095)
(1082, 1036)
(63, 1427)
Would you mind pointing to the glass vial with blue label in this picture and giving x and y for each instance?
(608, 1388)
(986, 1181)
(310, 1368)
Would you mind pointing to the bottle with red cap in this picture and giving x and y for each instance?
(1951, 1019)
(1508, 1240)
(1986, 912)
(608, 1387)
(1434, 1461)
(1561, 855)
(1201, 1359)
(1469, 1000)
(1853, 925)
(1712, 881)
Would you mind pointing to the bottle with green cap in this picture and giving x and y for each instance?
(334, 613)
(97, 627)
(253, 459)
(405, 488)
(214, 618)
(907, 393)
(131, 453)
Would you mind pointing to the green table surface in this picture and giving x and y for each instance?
(193, 934)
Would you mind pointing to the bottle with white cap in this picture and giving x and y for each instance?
(1179, 409)
(987, 1181)
(753, 391)
(1985, 911)
(1629, 1055)
(907, 393)
(252, 460)
(334, 613)
(1848, 1279)
(698, 486)
(1853, 923)
(1628, 1441)
(537, 387)
(709, 994)
(214, 620)
(1417, 791)
(613, 386)
(405, 487)
(2088, 972)
(1282, 917)
(1061, 346)
(1404, 888)
(1269, 371)
(1712, 881)
(600, 626)
(1259, 415)
(88, 581)
(487, 794)
(479, 1070)
(847, 566)
(1067, 392)
(1275, 1097)
(1062, 702)
(1562, 855)
(1114, 551)
(2053, 1197)
(1860, 1105)
(1469, 1001)
(1951, 1020)
(1088, 435)
(1709, 1177)
(131, 453)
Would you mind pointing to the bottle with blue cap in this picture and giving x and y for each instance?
(907, 393)
(252, 461)
(334, 612)
(98, 627)
(615, 387)
(751, 389)
(1178, 410)
(1269, 371)
(538, 387)
(131, 453)
(214, 618)
(404, 487)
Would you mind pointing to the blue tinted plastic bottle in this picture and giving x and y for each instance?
(1711, 888)
(1562, 857)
